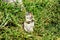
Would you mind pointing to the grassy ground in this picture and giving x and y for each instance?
(47, 20)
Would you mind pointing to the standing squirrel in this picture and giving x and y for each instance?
(29, 22)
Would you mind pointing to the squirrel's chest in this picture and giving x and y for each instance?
(29, 27)
(29, 24)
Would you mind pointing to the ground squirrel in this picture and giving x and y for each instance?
(29, 22)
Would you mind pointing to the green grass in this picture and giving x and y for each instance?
(47, 20)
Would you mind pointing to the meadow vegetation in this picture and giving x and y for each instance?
(47, 20)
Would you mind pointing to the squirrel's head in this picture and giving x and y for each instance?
(29, 16)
